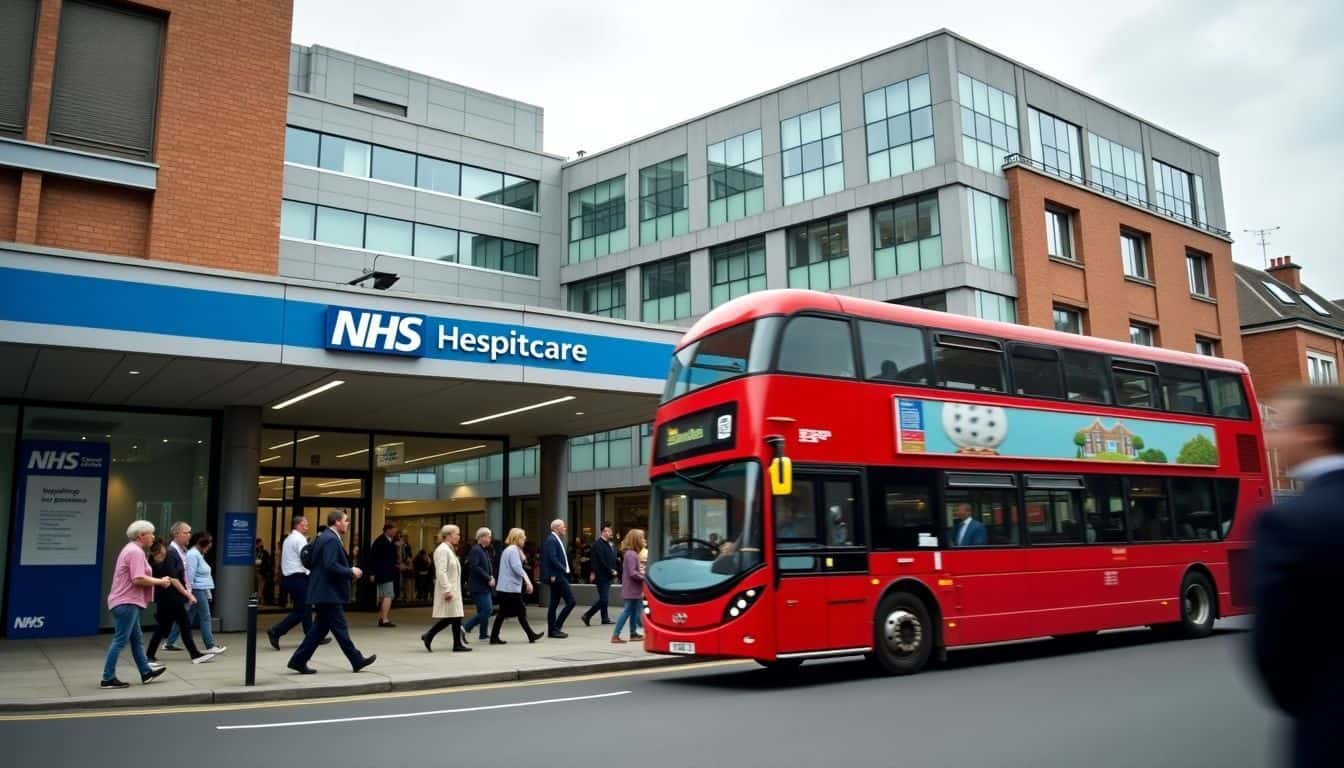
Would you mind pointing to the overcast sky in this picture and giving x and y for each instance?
(1262, 83)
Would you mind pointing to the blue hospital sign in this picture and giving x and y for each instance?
(388, 333)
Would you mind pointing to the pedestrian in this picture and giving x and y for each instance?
(605, 569)
(555, 571)
(513, 584)
(447, 590)
(480, 580)
(201, 577)
(1297, 566)
(171, 602)
(424, 576)
(632, 586)
(294, 577)
(383, 563)
(265, 564)
(133, 583)
(407, 570)
(328, 590)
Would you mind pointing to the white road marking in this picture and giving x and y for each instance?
(400, 715)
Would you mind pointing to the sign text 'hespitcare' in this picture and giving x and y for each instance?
(389, 333)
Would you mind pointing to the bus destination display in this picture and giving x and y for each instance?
(702, 432)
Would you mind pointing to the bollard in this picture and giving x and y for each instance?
(250, 670)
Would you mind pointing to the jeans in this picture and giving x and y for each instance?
(201, 614)
(634, 610)
(482, 618)
(126, 620)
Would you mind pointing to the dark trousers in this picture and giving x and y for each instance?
(297, 586)
(603, 600)
(330, 618)
(510, 605)
(559, 591)
(168, 614)
(443, 624)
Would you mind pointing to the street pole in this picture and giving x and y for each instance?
(250, 667)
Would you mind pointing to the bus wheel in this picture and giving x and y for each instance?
(903, 634)
(780, 665)
(1197, 605)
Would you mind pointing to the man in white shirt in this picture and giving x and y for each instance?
(555, 572)
(294, 577)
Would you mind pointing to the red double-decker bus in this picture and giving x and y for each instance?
(835, 476)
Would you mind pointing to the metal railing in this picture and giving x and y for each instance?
(1017, 158)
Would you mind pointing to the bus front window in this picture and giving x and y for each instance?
(711, 527)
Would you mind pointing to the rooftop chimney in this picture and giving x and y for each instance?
(1285, 271)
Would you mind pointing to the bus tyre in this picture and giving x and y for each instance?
(1198, 605)
(902, 634)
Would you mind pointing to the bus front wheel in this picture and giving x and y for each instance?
(903, 634)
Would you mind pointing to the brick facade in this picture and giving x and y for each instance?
(219, 146)
(1097, 284)
(10, 180)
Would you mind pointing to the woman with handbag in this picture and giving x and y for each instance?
(447, 594)
(511, 585)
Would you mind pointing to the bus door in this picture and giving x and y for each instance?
(821, 564)
(984, 558)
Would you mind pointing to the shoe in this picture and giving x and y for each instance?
(557, 634)
(587, 620)
(461, 649)
(153, 673)
(204, 658)
(217, 649)
(155, 665)
(304, 670)
(425, 639)
(366, 662)
(324, 640)
(386, 624)
(534, 637)
(464, 640)
(113, 683)
(274, 638)
(607, 621)
(167, 647)
(616, 639)
(637, 637)
(497, 641)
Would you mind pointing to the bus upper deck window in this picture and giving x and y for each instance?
(965, 362)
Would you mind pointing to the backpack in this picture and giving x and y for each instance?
(306, 556)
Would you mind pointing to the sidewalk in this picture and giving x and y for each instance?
(51, 675)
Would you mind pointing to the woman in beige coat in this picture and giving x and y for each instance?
(447, 590)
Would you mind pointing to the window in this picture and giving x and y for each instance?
(1227, 505)
(1059, 234)
(818, 346)
(1037, 372)
(1183, 389)
(1197, 267)
(1135, 384)
(1104, 510)
(297, 219)
(989, 231)
(1054, 509)
(899, 125)
(976, 515)
(601, 450)
(1196, 510)
(1085, 379)
(907, 237)
(345, 156)
(736, 269)
(338, 227)
(497, 253)
(1141, 334)
(964, 362)
(1149, 514)
(1314, 305)
(603, 296)
(902, 507)
(667, 290)
(1227, 397)
(393, 165)
(1321, 369)
(1068, 320)
(796, 522)
(1134, 255)
(893, 353)
(819, 254)
(821, 512)
(662, 201)
(378, 105)
(736, 178)
(301, 146)
(1206, 347)
(935, 301)
(1179, 194)
(438, 175)
(1279, 292)
(988, 124)
(106, 84)
(736, 350)
(811, 154)
(1054, 144)
(597, 220)
(388, 235)
(992, 306)
(18, 25)
(1117, 170)
(645, 443)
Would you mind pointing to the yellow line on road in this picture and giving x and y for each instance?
(199, 708)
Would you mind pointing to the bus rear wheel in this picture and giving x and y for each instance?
(902, 634)
(1198, 605)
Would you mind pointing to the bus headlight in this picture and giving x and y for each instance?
(740, 602)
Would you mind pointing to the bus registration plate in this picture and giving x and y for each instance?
(686, 648)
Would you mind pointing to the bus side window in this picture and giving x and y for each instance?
(902, 510)
(841, 521)
(1104, 510)
(1036, 372)
(893, 353)
(796, 515)
(1183, 389)
(1054, 509)
(1196, 513)
(963, 362)
(1227, 505)
(1229, 400)
(819, 346)
(1136, 384)
(979, 517)
(1085, 376)
(1149, 512)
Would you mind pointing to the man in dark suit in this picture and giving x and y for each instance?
(1299, 566)
(604, 570)
(386, 566)
(555, 572)
(968, 531)
(328, 591)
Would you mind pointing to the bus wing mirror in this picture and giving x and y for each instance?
(781, 467)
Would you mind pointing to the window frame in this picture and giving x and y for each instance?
(831, 225)
(937, 341)
(1325, 363)
(1142, 249)
(802, 145)
(744, 249)
(1037, 352)
(1151, 331)
(1059, 231)
(855, 354)
(1193, 258)
(1075, 312)
(668, 166)
(671, 264)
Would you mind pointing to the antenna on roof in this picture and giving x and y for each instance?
(1262, 237)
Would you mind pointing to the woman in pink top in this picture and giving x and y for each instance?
(132, 589)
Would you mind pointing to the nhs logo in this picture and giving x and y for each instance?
(29, 622)
(386, 333)
(57, 460)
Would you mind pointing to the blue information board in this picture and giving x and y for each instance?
(239, 539)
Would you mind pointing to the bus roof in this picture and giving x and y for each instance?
(793, 301)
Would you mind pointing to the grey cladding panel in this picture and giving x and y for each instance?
(901, 64)
(986, 67)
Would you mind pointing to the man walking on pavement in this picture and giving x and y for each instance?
(294, 578)
(386, 572)
(555, 572)
(480, 580)
(328, 591)
(604, 570)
